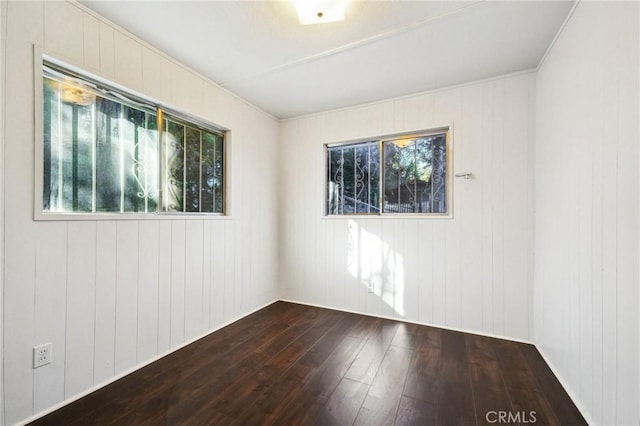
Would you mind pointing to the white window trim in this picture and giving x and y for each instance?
(41, 56)
(449, 128)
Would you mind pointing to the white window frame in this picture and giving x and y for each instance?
(41, 58)
(448, 129)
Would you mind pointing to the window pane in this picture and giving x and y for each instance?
(353, 175)
(174, 145)
(194, 167)
(77, 145)
(126, 158)
(218, 174)
(438, 188)
(415, 175)
(50, 143)
(133, 177)
(108, 155)
(67, 148)
(146, 169)
(211, 186)
(101, 153)
(192, 172)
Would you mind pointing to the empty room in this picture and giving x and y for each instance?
(332, 212)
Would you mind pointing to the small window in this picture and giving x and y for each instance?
(354, 178)
(106, 152)
(407, 174)
(193, 168)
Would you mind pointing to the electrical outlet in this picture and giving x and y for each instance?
(42, 355)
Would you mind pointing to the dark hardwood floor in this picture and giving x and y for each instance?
(290, 364)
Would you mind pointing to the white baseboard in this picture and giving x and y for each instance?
(566, 387)
(478, 333)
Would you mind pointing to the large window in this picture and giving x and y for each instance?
(407, 174)
(104, 151)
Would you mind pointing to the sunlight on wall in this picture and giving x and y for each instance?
(376, 265)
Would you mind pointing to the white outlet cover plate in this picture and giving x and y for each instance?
(42, 355)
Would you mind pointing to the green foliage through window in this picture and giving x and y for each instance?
(399, 175)
(105, 154)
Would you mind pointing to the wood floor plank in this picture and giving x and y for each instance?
(455, 398)
(489, 391)
(315, 393)
(289, 364)
(415, 412)
(522, 386)
(364, 326)
(246, 391)
(406, 336)
(417, 337)
(273, 401)
(424, 382)
(343, 405)
(247, 383)
(368, 361)
(382, 401)
(318, 353)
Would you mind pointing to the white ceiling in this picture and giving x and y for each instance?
(383, 49)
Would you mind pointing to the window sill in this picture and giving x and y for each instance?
(389, 216)
(68, 217)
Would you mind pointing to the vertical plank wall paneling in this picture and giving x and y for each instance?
(193, 318)
(105, 312)
(50, 304)
(148, 289)
(178, 245)
(80, 318)
(471, 271)
(470, 150)
(164, 287)
(587, 182)
(3, 33)
(111, 295)
(21, 300)
(126, 335)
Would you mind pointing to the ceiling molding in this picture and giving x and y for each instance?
(557, 36)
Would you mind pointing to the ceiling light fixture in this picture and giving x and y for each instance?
(319, 11)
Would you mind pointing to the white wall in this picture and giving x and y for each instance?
(586, 274)
(111, 295)
(474, 271)
(3, 26)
